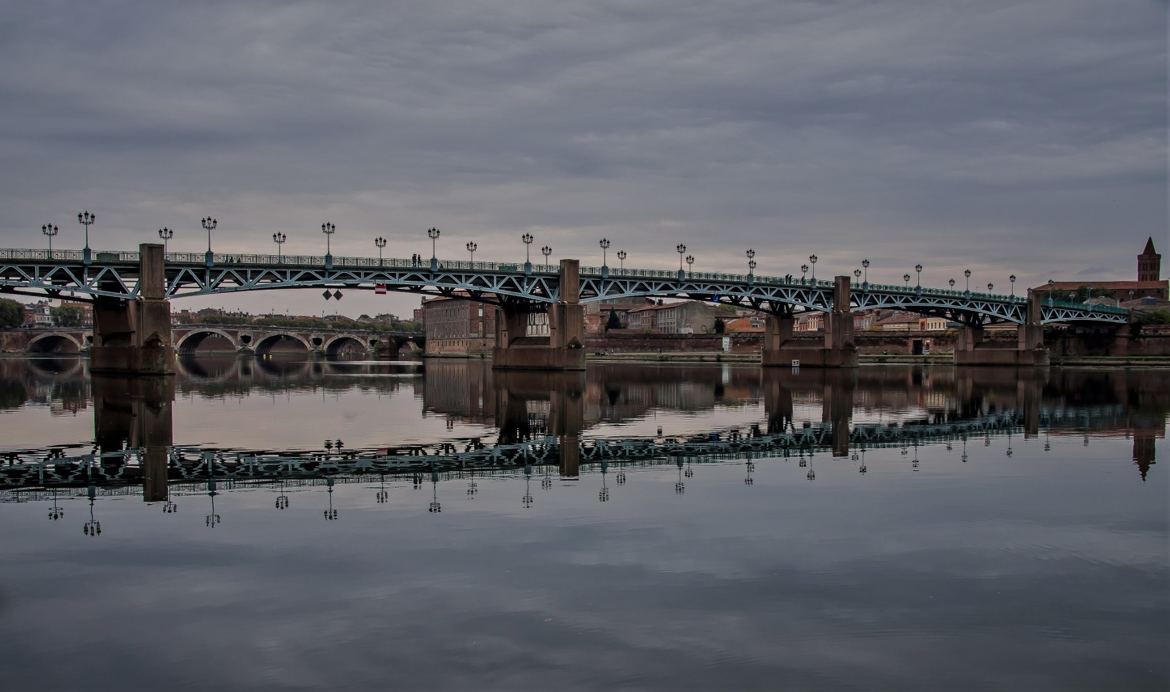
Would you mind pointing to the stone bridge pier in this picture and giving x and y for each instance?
(133, 337)
(136, 412)
(1029, 350)
(562, 349)
(838, 349)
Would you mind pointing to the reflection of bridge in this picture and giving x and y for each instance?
(143, 282)
(248, 338)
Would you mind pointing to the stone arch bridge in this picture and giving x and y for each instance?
(257, 339)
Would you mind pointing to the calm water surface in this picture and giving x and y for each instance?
(1027, 552)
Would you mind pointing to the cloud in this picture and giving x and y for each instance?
(1004, 136)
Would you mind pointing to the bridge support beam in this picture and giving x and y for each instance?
(562, 349)
(838, 349)
(1029, 351)
(133, 337)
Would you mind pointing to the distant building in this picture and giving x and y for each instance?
(458, 327)
(751, 324)
(686, 317)
(38, 314)
(597, 314)
(1148, 285)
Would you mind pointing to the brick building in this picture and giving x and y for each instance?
(1148, 284)
(686, 317)
(458, 327)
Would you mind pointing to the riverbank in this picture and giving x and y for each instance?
(871, 359)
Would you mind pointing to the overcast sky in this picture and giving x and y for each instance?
(1025, 137)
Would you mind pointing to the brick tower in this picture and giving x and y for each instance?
(1149, 263)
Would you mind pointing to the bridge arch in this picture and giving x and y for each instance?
(341, 343)
(264, 344)
(194, 338)
(56, 342)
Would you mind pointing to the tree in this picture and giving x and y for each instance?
(613, 322)
(66, 316)
(719, 325)
(11, 313)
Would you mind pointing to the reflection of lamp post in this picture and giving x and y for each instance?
(55, 512)
(209, 225)
(279, 239)
(603, 494)
(472, 246)
(86, 219)
(546, 251)
(382, 496)
(328, 229)
(526, 501)
(749, 467)
(622, 254)
(679, 486)
(380, 243)
(212, 519)
(434, 507)
(166, 234)
(50, 230)
(330, 514)
(92, 527)
(281, 499)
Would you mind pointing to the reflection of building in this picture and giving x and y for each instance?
(1147, 285)
(459, 327)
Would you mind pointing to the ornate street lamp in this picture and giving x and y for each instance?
(865, 271)
(813, 260)
(622, 255)
(546, 251)
(750, 254)
(527, 239)
(604, 243)
(433, 234)
(918, 269)
(690, 265)
(803, 271)
(50, 230)
(209, 225)
(967, 273)
(86, 219)
(681, 250)
(380, 243)
(752, 269)
(279, 238)
(472, 246)
(1012, 279)
(166, 234)
(328, 229)
(990, 287)
(951, 282)
(857, 273)
(906, 278)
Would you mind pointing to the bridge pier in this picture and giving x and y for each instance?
(562, 349)
(133, 337)
(1029, 350)
(838, 349)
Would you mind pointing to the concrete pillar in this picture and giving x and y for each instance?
(836, 350)
(563, 349)
(136, 412)
(133, 337)
(1029, 349)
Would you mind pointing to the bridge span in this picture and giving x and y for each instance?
(131, 293)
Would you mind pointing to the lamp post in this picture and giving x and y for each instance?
(951, 282)
(990, 287)
(813, 260)
(918, 270)
(1012, 279)
(209, 225)
(380, 243)
(681, 250)
(857, 274)
(906, 278)
(604, 243)
(279, 239)
(803, 271)
(433, 234)
(865, 271)
(967, 274)
(166, 234)
(328, 229)
(86, 219)
(50, 230)
(546, 251)
(750, 254)
(751, 269)
(690, 265)
(472, 246)
(622, 255)
(527, 239)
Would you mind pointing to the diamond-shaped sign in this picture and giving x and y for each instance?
(337, 295)
(327, 295)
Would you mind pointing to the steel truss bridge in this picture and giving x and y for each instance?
(116, 275)
(125, 467)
